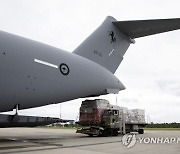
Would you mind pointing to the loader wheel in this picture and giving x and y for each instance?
(115, 133)
(90, 135)
(141, 131)
(103, 133)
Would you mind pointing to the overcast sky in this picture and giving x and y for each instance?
(150, 69)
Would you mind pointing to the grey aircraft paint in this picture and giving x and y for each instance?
(33, 74)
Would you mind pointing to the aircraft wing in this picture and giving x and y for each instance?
(27, 121)
(141, 28)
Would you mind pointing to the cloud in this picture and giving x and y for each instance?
(129, 100)
(169, 86)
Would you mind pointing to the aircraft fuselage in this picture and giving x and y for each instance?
(33, 74)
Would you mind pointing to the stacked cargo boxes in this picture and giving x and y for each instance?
(130, 115)
(139, 115)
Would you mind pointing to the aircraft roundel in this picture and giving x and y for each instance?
(64, 69)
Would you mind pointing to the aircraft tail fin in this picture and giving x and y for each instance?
(109, 42)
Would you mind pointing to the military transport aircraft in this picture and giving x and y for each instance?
(33, 74)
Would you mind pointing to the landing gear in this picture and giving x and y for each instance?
(15, 117)
(141, 131)
(16, 109)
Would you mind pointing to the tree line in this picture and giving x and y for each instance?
(163, 125)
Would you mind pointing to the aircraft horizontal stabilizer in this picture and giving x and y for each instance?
(107, 45)
(141, 28)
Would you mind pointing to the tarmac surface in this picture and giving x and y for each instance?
(66, 141)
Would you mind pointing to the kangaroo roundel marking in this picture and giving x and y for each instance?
(112, 35)
(64, 69)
